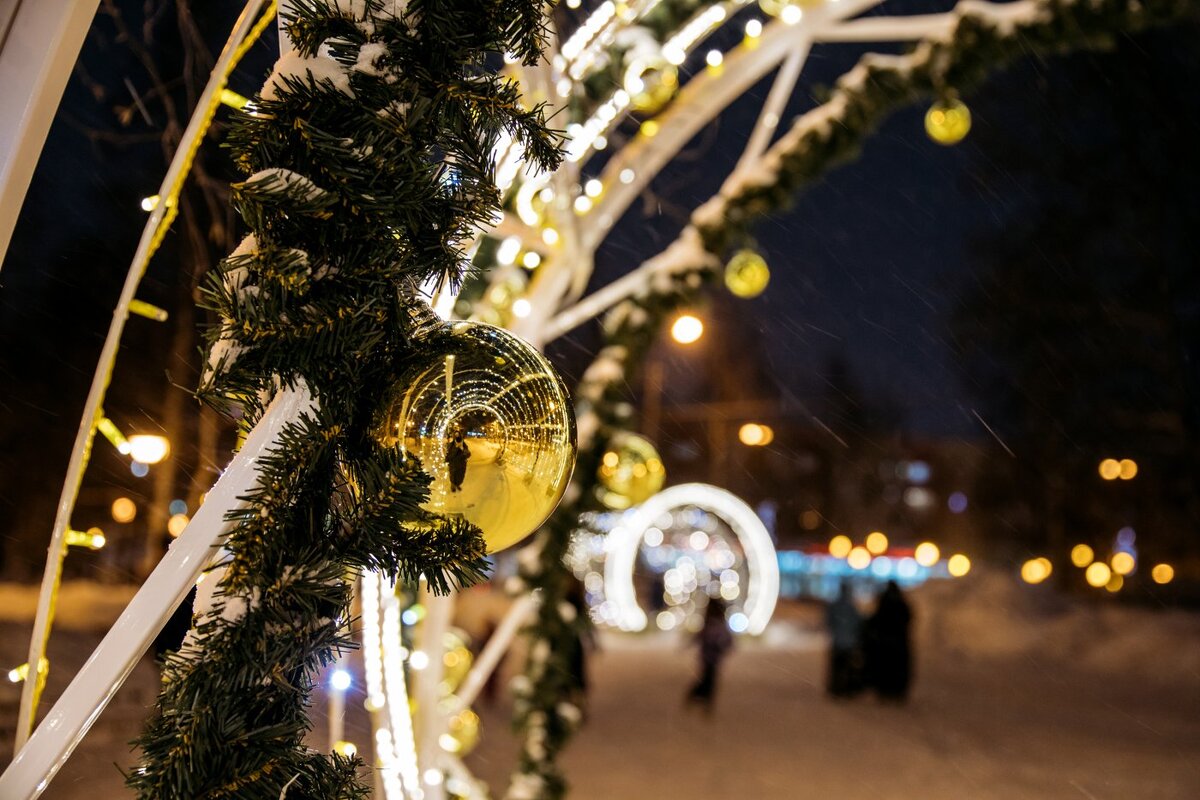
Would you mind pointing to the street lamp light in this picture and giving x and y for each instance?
(687, 329)
(148, 448)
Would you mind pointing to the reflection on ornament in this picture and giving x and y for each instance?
(651, 84)
(948, 122)
(747, 274)
(463, 733)
(491, 423)
(631, 471)
(456, 660)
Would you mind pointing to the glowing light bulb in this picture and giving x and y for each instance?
(753, 29)
(714, 58)
(148, 448)
(593, 188)
(340, 680)
(687, 329)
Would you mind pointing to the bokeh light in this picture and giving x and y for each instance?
(1098, 574)
(1110, 469)
(840, 546)
(124, 510)
(148, 448)
(1123, 563)
(1115, 582)
(1162, 573)
(958, 565)
(927, 554)
(177, 523)
(877, 542)
(1082, 555)
(1128, 469)
(859, 558)
(1036, 570)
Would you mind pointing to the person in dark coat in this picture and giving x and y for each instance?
(457, 455)
(845, 651)
(715, 642)
(888, 652)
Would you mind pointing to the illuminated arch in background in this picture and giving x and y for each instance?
(624, 541)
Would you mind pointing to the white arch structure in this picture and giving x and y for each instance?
(555, 306)
(625, 540)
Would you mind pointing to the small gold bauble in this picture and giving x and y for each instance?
(775, 8)
(463, 733)
(491, 423)
(747, 274)
(651, 84)
(456, 660)
(631, 471)
(948, 122)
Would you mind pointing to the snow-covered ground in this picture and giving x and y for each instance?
(1019, 694)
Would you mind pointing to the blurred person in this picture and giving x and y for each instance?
(457, 456)
(715, 642)
(887, 649)
(845, 627)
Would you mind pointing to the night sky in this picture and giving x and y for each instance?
(869, 265)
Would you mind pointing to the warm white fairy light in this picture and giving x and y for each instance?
(754, 28)
(593, 188)
(531, 260)
(399, 718)
(507, 252)
(791, 14)
(627, 175)
(714, 58)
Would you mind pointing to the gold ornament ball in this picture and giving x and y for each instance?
(631, 471)
(651, 84)
(747, 274)
(491, 422)
(948, 122)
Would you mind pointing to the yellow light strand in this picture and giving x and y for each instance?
(160, 233)
(148, 310)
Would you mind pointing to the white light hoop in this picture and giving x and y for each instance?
(625, 540)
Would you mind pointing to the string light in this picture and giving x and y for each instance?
(92, 538)
(111, 432)
(147, 310)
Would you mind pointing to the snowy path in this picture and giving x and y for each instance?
(973, 730)
(992, 728)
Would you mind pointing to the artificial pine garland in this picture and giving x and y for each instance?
(369, 161)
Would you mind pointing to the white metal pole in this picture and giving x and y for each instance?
(768, 118)
(39, 44)
(87, 695)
